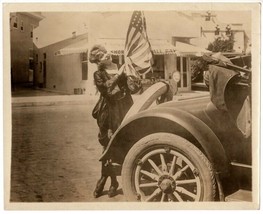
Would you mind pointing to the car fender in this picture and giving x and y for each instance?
(181, 120)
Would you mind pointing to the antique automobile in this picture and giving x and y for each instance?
(190, 150)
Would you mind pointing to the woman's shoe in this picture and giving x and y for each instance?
(99, 187)
(113, 190)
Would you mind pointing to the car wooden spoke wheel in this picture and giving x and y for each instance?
(164, 175)
(163, 167)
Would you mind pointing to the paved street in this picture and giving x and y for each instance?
(55, 150)
(55, 155)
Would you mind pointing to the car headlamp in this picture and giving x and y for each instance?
(176, 76)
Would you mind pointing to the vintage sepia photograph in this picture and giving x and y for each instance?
(108, 104)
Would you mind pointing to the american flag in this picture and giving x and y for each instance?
(137, 53)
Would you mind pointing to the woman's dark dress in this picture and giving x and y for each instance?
(117, 97)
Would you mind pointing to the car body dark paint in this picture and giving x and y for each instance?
(212, 128)
(210, 123)
(182, 121)
(237, 147)
(219, 126)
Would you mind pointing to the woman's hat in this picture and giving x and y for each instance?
(96, 53)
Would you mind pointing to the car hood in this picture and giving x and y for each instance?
(190, 105)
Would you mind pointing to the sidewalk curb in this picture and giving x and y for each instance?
(52, 100)
(75, 100)
(45, 103)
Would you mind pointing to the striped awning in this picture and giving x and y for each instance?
(159, 47)
(75, 48)
(116, 47)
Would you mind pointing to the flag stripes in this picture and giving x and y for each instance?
(137, 53)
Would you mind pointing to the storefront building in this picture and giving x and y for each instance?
(79, 79)
(62, 72)
(64, 66)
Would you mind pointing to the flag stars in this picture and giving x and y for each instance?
(137, 21)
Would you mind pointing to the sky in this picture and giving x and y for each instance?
(236, 17)
(50, 31)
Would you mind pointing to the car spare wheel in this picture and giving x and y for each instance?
(167, 167)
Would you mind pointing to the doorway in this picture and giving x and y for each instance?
(183, 66)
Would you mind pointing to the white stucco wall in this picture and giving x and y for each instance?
(63, 72)
(239, 41)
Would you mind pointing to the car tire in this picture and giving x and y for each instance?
(167, 167)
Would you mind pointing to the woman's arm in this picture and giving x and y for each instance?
(106, 87)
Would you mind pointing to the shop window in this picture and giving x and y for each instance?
(15, 22)
(182, 67)
(178, 64)
(184, 64)
(22, 26)
(158, 67)
(118, 59)
(31, 64)
(115, 59)
(184, 80)
(84, 65)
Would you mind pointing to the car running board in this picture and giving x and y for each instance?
(240, 195)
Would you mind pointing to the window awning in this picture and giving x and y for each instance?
(116, 47)
(190, 50)
(159, 47)
(75, 48)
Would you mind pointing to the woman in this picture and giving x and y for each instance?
(115, 100)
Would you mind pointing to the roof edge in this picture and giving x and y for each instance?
(36, 15)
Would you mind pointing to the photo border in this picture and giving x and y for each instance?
(97, 7)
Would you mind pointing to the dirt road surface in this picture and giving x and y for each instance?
(55, 155)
